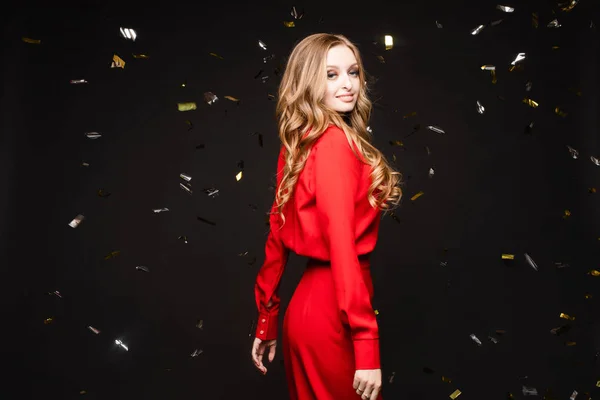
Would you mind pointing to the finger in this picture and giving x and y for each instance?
(374, 394)
(355, 383)
(272, 354)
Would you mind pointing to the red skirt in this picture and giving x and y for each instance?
(318, 352)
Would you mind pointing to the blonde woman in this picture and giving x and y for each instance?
(332, 185)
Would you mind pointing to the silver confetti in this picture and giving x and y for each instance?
(529, 391)
(561, 265)
(211, 192)
(528, 86)
(574, 153)
(435, 129)
(480, 108)
(475, 339)
(595, 160)
(488, 68)
(200, 324)
(186, 188)
(56, 293)
(76, 221)
(142, 268)
(158, 210)
(531, 262)
(78, 81)
(506, 9)
(477, 30)
(262, 45)
(264, 79)
(121, 344)
(196, 353)
(91, 328)
(431, 172)
(85, 164)
(440, 26)
(573, 395)
(185, 177)
(493, 339)
(369, 129)
(128, 33)
(210, 98)
(93, 135)
(295, 13)
(268, 58)
(496, 22)
(520, 57)
(554, 24)
(392, 377)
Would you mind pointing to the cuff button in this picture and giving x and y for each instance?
(264, 320)
(261, 332)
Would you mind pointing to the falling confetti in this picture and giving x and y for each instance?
(185, 177)
(77, 81)
(262, 45)
(159, 210)
(475, 339)
(416, 196)
(566, 316)
(506, 9)
(93, 135)
(477, 30)
(231, 98)
(574, 153)
(120, 343)
(216, 55)
(508, 256)
(31, 41)
(189, 106)
(112, 254)
(520, 57)
(142, 268)
(117, 62)
(435, 129)
(554, 24)
(289, 24)
(210, 98)
(455, 394)
(128, 33)
(530, 102)
(480, 108)
(76, 221)
(96, 331)
(529, 391)
(48, 321)
(389, 42)
(531, 262)
(142, 56)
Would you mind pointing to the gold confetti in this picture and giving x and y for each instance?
(570, 6)
(117, 62)
(594, 272)
(588, 296)
(82, 392)
(186, 106)
(570, 343)
(48, 321)
(592, 190)
(530, 103)
(566, 214)
(143, 56)
(112, 254)
(446, 379)
(598, 384)
(289, 24)
(455, 394)
(508, 256)
(216, 55)
(416, 196)
(376, 312)
(32, 41)
(231, 98)
(396, 143)
(238, 177)
(566, 316)
(411, 114)
(389, 42)
(381, 59)
(559, 112)
(534, 20)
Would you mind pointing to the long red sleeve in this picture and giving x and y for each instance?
(337, 175)
(268, 279)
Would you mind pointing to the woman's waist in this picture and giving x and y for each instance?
(363, 260)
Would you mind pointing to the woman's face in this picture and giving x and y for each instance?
(343, 81)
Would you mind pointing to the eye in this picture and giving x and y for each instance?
(331, 75)
(355, 73)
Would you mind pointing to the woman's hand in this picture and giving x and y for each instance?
(258, 349)
(367, 383)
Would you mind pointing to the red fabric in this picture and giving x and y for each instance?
(328, 218)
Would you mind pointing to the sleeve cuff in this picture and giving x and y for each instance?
(266, 329)
(366, 354)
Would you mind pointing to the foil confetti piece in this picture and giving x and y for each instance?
(199, 324)
(216, 55)
(268, 58)
(416, 196)
(566, 214)
(595, 160)
(112, 254)
(103, 193)
(529, 391)
(574, 153)
(91, 328)
(186, 187)
(477, 30)
(294, 13)
(475, 339)
(455, 394)
(117, 62)
(93, 135)
(531, 262)
(289, 24)
(529, 128)
(389, 42)
(184, 238)
(439, 25)
(573, 395)
(238, 176)
(487, 67)
(55, 293)
(76, 221)
(594, 272)
(560, 330)
(77, 81)
(189, 106)
(506, 9)
(185, 177)
(262, 45)
(528, 86)
(31, 41)
(128, 33)
(85, 164)
(520, 57)
(560, 112)
(211, 192)
(48, 321)
(196, 353)
(570, 6)
(508, 256)
(159, 210)
(435, 129)
(534, 20)
(554, 24)
(210, 98)
(431, 172)
(445, 379)
(567, 317)
(142, 268)
(142, 56)
(411, 114)
(480, 108)
(391, 380)
(232, 98)
(530, 102)
(120, 343)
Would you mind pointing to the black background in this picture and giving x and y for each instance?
(437, 269)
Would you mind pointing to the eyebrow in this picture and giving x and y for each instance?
(333, 66)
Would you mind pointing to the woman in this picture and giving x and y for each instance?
(331, 187)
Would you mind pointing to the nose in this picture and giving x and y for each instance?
(348, 83)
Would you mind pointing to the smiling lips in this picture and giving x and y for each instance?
(346, 98)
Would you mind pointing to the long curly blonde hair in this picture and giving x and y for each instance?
(301, 108)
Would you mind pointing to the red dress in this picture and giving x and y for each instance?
(329, 328)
